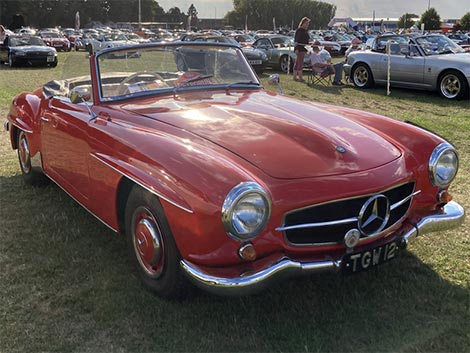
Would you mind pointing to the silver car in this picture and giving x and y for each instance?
(429, 62)
(280, 51)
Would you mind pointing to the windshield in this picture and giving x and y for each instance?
(436, 45)
(171, 68)
(24, 41)
(280, 42)
(50, 35)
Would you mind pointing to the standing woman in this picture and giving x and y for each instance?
(301, 39)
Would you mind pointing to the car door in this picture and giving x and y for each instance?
(406, 67)
(4, 50)
(266, 46)
(64, 145)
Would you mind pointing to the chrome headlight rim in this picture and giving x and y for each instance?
(237, 194)
(436, 157)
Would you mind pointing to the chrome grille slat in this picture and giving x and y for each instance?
(327, 223)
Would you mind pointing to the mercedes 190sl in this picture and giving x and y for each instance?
(219, 182)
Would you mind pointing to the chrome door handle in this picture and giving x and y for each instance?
(43, 118)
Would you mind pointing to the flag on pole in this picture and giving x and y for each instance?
(77, 21)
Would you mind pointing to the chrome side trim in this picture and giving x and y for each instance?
(73, 198)
(142, 185)
(21, 128)
(449, 216)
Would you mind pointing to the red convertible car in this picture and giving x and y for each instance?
(218, 182)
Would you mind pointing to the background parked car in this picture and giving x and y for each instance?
(27, 50)
(257, 58)
(432, 62)
(280, 51)
(56, 40)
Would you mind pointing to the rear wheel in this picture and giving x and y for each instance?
(361, 76)
(152, 248)
(452, 85)
(30, 175)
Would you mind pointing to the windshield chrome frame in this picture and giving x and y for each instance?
(171, 90)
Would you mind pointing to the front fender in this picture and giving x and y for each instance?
(24, 115)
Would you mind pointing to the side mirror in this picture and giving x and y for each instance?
(79, 95)
(274, 79)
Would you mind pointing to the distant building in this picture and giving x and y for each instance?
(381, 24)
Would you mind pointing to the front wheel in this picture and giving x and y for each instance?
(285, 64)
(361, 76)
(30, 174)
(152, 248)
(11, 61)
(452, 85)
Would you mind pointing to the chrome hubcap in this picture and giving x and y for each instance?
(450, 86)
(361, 76)
(148, 243)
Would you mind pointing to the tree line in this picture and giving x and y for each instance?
(256, 14)
(251, 14)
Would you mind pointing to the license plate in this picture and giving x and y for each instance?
(365, 260)
(255, 62)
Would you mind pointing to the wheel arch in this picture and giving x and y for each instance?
(466, 87)
(367, 66)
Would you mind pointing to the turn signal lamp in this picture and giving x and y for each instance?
(247, 252)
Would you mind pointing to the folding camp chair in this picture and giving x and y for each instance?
(315, 78)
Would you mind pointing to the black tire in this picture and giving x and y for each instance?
(453, 85)
(11, 61)
(152, 247)
(31, 175)
(284, 64)
(54, 64)
(361, 76)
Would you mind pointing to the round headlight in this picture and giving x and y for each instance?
(443, 165)
(246, 210)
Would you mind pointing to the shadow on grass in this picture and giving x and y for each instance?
(67, 285)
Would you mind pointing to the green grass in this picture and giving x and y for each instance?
(66, 283)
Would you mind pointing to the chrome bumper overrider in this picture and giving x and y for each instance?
(450, 216)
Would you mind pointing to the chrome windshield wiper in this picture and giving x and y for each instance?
(193, 79)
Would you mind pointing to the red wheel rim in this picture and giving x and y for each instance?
(148, 244)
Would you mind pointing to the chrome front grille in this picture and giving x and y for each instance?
(328, 223)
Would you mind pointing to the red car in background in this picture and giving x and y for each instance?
(218, 182)
(56, 40)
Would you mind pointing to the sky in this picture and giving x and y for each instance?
(345, 8)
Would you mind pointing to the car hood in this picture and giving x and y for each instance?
(283, 137)
(42, 48)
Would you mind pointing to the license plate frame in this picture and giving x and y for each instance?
(365, 260)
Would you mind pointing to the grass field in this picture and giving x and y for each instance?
(66, 283)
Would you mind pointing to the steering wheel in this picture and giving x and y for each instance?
(122, 85)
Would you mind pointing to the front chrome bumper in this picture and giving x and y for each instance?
(450, 216)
